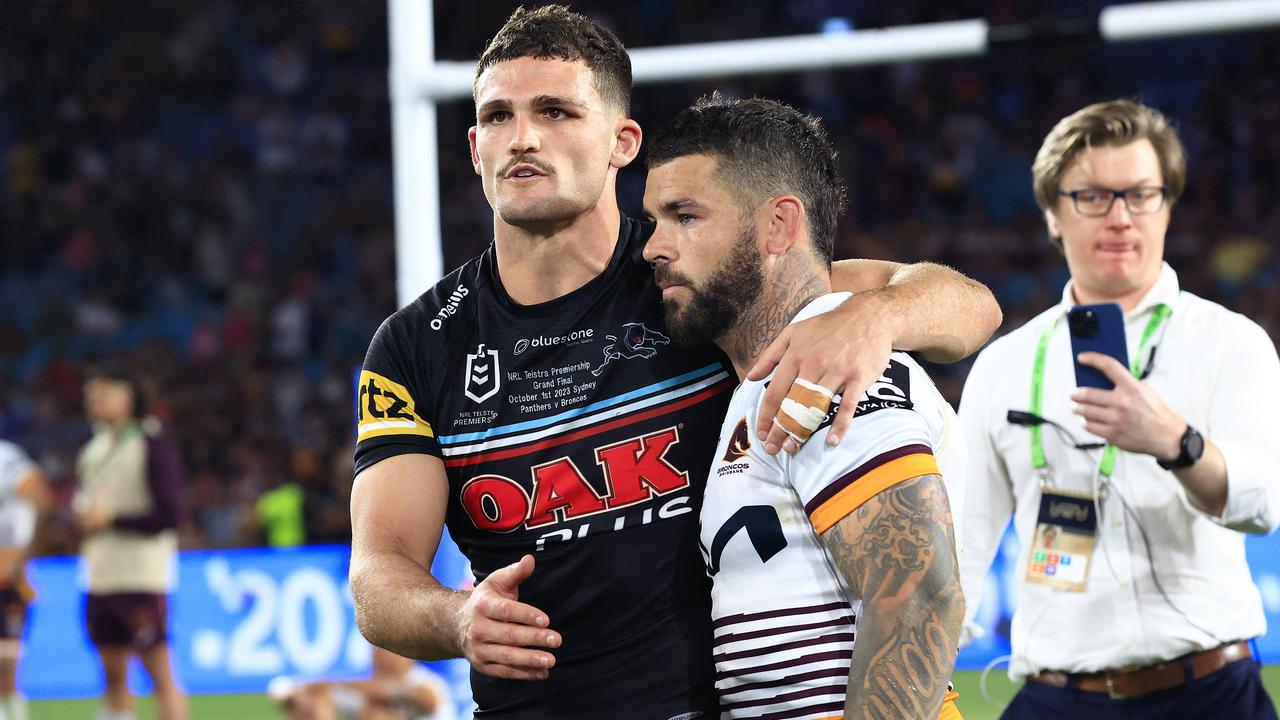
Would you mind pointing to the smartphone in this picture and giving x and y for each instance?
(1100, 329)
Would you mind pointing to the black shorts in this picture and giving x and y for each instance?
(135, 620)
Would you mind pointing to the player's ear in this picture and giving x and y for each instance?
(475, 157)
(626, 146)
(784, 223)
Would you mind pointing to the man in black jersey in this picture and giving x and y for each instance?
(530, 400)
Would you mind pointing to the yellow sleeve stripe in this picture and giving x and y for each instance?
(423, 430)
(867, 484)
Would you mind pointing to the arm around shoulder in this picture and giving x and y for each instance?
(939, 312)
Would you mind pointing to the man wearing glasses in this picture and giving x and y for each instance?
(1144, 606)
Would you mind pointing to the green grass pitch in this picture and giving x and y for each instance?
(257, 707)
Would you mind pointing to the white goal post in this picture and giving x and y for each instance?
(418, 82)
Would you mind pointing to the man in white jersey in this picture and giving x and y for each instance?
(804, 550)
(23, 492)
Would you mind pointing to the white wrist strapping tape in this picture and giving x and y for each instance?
(814, 387)
(808, 416)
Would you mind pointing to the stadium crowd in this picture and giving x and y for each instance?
(203, 191)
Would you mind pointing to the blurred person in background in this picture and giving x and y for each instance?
(1131, 504)
(128, 505)
(24, 493)
(458, 418)
(279, 514)
(397, 689)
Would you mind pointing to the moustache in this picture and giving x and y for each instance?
(526, 160)
(664, 274)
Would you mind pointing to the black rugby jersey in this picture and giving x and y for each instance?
(576, 431)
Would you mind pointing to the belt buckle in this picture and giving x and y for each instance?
(1111, 689)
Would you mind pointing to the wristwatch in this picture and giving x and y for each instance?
(1191, 447)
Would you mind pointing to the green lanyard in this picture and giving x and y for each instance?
(1158, 316)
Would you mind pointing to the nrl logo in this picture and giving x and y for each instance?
(482, 378)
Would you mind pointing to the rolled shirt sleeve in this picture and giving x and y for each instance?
(1243, 421)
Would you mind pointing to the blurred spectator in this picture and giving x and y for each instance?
(128, 506)
(279, 511)
(23, 493)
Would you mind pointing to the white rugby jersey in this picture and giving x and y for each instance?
(17, 515)
(784, 620)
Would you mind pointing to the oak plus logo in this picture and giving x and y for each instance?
(482, 375)
(634, 471)
(450, 307)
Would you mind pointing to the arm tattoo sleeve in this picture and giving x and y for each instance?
(897, 553)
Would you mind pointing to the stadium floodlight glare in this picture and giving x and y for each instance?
(451, 79)
(1143, 21)
(418, 81)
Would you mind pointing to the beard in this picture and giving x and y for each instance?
(718, 302)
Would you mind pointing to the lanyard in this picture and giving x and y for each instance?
(1158, 316)
(91, 477)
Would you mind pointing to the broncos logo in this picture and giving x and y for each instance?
(739, 443)
(637, 341)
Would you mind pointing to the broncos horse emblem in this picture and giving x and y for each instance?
(637, 341)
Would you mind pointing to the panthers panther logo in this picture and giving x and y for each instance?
(637, 341)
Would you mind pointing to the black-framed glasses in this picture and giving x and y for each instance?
(1096, 202)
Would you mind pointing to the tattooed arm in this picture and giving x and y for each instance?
(897, 553)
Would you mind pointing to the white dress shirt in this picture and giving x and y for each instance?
(1216, 369)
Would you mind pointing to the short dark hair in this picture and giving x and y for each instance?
(553, 32)
(765, 148)
(116, 371)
